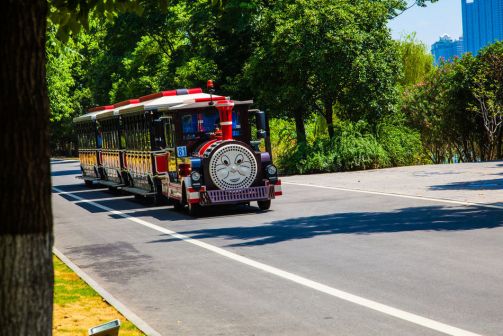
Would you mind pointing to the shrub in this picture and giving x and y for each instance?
(402, 144)
(354, 147)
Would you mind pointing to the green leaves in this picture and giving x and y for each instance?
(69, 16)
(417, 62)
(397, 7)
(423, 3)
(339, 51)
(459, 107)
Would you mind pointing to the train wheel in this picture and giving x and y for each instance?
(178, 205)
(264, 205)
(194, 209)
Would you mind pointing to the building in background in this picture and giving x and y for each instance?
(482, 23)
(446, 49)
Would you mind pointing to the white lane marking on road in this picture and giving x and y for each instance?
(135, 319)
(423, 198)
(80, 191)
(113, 198)
(385, 309)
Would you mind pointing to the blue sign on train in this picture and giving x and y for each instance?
(181, 151)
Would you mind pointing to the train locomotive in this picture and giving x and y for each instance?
(184, 147)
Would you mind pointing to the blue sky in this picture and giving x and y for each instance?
(439, 18)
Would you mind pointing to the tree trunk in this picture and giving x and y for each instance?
(499, 144)
(26, 273)
(329, 116)
(300, 128)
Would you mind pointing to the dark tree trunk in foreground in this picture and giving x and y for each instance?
(26, 274)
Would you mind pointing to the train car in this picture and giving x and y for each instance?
(190, 148)
(113, 145)
(89, 141)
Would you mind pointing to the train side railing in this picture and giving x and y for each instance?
(111, 158)
(89, 162)
(142, 163)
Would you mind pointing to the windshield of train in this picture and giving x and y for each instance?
(196, 124)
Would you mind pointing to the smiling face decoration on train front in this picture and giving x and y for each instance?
(233, 166)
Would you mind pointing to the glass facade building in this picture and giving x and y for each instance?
(482, 23)
(446, 49)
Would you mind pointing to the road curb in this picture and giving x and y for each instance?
(132, 317)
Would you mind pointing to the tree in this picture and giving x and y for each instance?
(63, 64)
(280, 83)
(487, 89)
(459, 107)
(26, 275)
(314, 55)
(26, 235)
(417, 62)
(398, 7)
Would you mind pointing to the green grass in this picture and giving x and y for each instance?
(77, 307)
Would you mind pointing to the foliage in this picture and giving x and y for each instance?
(71, 15)
(62, 70)
(354, 147)
(417, 62)
(401, 143)
(397, 7)
(488, 92)
(312, 56)
(458, 108)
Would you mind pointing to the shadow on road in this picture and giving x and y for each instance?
(168, 213)
(90, 194)
(115, 204)
(96, 194)
(494, 184)
(431, 218)
(63, 161)
(77, 188)
(66, 172)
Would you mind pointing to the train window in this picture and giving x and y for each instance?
(169, 133)
(158, 132)
(201, 122)
(122, 133)
(136, 133)
(109, 132)
(135, 137)
(210, 120)
(236, 123)
(99, 136)
(146, 134)
(189, 126)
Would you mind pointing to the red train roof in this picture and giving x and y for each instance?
(101, 108)
(170, 93)
(127, 102)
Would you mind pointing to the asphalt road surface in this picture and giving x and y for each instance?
(403, 251)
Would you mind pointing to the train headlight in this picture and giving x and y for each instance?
(271, 170)
(195, 176)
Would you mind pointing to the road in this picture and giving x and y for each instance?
(402, 251)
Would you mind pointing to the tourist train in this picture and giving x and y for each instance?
(188, 148)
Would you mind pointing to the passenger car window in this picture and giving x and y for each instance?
(169, 133)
